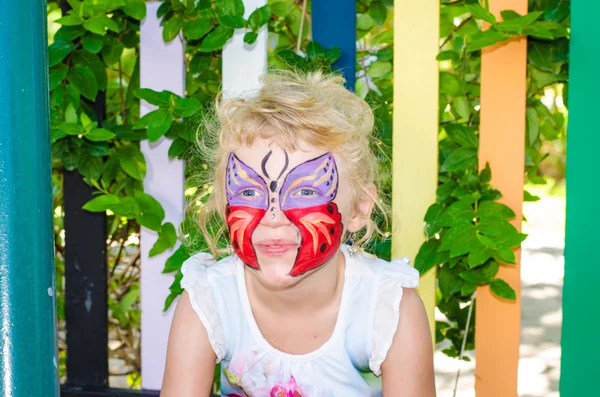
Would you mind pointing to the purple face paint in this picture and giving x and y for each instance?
(309, 184)
(244, 186)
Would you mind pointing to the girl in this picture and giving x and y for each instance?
(293, 312)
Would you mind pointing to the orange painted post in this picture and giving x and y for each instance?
(502, 144)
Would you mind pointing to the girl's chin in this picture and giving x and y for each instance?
(275, 272)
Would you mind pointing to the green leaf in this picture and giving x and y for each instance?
(333, 54)
(259, 17)
(89, 166)
(57, 75)
(535, 30)
(462, 135)
(378, 12)
(198, 28)
(216, 39)
(176, 260)
(71, 114)
(111, 168)
(486, 173)
(468, 288)
(481, 13)
(92, 42)
(159, 122)
(199, 63)
(364, 22)
(100, 23)
(99, 134)
(533, 125)
(447, 55)
(57, 51)
(177, 148)
(232, 21)
(451, 85)
(151, 211)
(481, 275)
(462, 107)
(501, 289)
(491, 209)
(84, 80)
(460, 159)
(171, 28)
(71, 129)
(101, 203)
(314, 50)
(130, 298)
(112, 50)
(231, 7)
(97, 67)
(485, 39)
(464, 241)
(185, 107)
(449, 282)
(132, 162)
(154, 97)
(167, 237)
(460, 212)
(250, 37)
(127, 207)
(379, 69)
(70, 20)
(387, 36)
(426, 256)
(479, 254)
(136, 9)
(528, 197)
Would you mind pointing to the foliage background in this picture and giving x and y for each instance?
(94, 56)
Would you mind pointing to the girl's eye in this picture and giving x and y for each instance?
(249, 193)
(305, 192)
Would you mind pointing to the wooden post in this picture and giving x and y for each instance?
(28, 349)
(579, 367)
(415, 140)
(502, 144)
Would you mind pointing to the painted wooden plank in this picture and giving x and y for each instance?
(28, 350)
(339, 31)
(164, 181)
(243, 64)
(415, 151)
(579, 367)
(502, 144)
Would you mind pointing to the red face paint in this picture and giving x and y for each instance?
(242, 221)
(321, 229)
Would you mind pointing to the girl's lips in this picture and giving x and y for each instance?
(276, 249)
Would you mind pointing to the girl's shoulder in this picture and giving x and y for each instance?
(399, 270)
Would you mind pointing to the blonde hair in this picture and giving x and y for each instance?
(291, 107)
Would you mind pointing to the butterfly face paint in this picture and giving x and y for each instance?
(306, 199)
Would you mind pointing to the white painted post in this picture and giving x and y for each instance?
(243, 64)
(161, 68)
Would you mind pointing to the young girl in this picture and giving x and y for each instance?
(294, 312)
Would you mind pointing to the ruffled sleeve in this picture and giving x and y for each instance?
(398, 275)
(195, 282)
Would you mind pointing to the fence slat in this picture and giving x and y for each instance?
(28, 354)
(502, 144)
(579, 366)
(415, 150)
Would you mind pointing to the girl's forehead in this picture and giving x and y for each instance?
(270, 160)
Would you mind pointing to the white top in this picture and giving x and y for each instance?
(250, 366)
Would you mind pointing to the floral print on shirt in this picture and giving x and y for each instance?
(250, 376)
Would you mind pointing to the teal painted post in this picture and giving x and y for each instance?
(580, 370)
(28, 353)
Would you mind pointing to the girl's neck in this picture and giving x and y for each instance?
(320, 289)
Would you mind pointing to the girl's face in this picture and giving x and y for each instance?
(286, 211)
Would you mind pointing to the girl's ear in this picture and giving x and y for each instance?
(364, 208)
